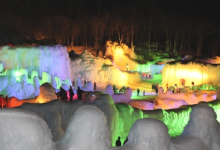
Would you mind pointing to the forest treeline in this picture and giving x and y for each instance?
(93, 22)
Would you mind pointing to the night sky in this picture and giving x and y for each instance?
(92, 22)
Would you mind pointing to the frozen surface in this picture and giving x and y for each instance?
(93, 135)
(24, 130)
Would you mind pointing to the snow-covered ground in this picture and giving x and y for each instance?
(87, 127)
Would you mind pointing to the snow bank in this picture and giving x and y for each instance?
(51, 59)
(87, 130)
(203, 125)
(119, 97)
(169, 100)
(24, 130)
(178, 73)
(214, 60)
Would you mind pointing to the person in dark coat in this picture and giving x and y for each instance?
(84, 83)
(71, 93)
(138, 91)
(95, 86)
(63, 94)
(118, 142)
(79, 93)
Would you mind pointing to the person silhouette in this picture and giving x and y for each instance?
(63, 94)
(94, 86)
(79, 93)
(138, 91)
(118, 142)
(71, 93)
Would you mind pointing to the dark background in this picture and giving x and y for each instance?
(180, 26)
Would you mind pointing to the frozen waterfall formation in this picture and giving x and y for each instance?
(201, 133)
(24, 69)
(186, 72)
(102, 71)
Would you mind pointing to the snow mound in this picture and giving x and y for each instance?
(47, 93)
(203, 125)
(93, 134)
(109, 90)
(24, 130)
(150, 134)
(187, 143)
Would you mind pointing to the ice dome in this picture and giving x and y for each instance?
(89, 86)
(87, 129)
(128, 93)
(203, 125)
(24, 130)
(150, 134)
(109, 90)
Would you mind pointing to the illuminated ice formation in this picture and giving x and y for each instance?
(24, 130)
(186, 73)
(170, 100)
(156, 69)
(46, 94)
(120, 54)
(94, 134)
(51, 59)
(99, 70)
